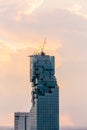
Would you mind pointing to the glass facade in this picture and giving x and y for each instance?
(44, 113)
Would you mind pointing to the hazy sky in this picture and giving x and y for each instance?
(23, 26)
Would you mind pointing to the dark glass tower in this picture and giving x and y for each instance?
(44, 113)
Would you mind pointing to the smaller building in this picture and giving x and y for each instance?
(21, 121)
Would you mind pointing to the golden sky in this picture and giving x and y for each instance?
(23, 26)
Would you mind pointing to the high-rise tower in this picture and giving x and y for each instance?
(44, 113)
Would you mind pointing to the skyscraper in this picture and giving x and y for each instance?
(44, 113)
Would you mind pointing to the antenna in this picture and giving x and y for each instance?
(43, 45)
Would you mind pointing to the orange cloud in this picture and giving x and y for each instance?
(66, 120)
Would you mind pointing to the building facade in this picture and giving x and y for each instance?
(44, 114)
(21, 121)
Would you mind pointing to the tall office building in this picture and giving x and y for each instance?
(44, 113)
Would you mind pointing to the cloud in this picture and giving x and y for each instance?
(36, 27)
(52, 25)
(27, 8)
(33, 5)
(19, 7)
(66, 120)
(77, 9)
(64, 30)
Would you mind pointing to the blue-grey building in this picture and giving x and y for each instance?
(44, 113)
